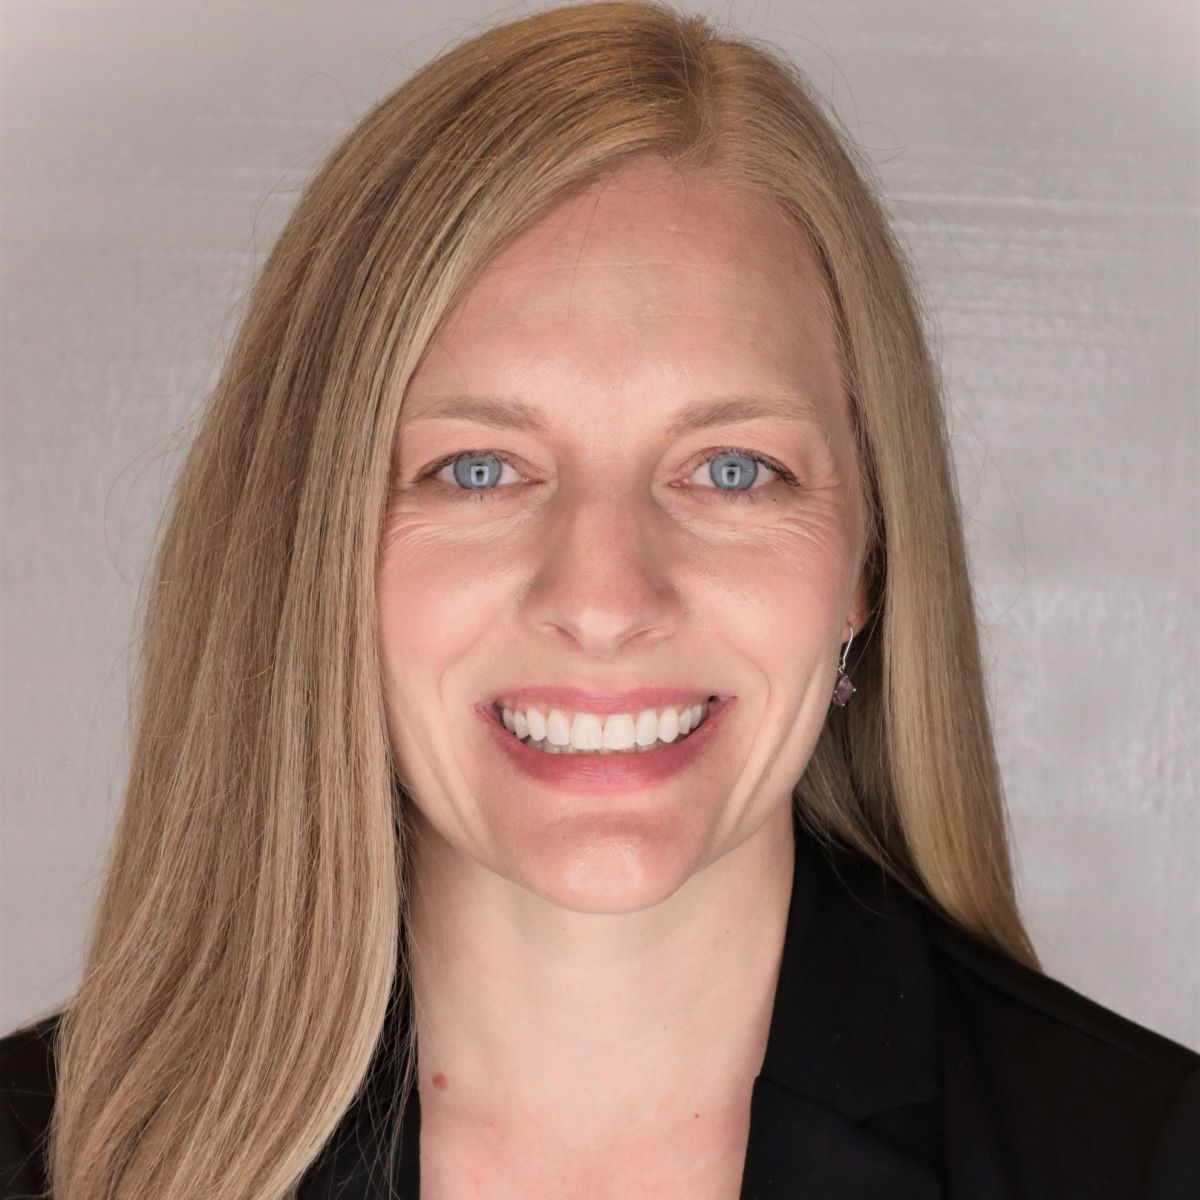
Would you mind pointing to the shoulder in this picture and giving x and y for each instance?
(27, 1077)
(1064, 1079)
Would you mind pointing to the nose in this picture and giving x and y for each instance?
(604, 576)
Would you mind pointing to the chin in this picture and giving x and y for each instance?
(605, 865)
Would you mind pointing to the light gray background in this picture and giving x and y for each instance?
(1040, 159)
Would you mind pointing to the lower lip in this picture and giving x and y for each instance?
(598, 773)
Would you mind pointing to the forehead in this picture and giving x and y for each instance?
(646, 276)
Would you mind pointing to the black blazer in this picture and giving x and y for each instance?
(905, 1061)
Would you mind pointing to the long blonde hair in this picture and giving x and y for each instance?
(247, 953)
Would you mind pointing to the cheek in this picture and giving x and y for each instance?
(434, 599)
(784, 594)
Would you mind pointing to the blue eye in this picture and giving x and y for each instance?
(478, 471)
(725, 468)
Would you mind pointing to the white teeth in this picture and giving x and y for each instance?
(668, 725)
(586, 732)
(557, 732)
(646, 732)
(537, 724)
(619, 733)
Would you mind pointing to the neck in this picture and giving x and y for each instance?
(580, 1028)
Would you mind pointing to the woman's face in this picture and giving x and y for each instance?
(607, 540)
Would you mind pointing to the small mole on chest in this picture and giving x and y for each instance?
(440, 1081)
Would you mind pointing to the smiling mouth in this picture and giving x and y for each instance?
(710, 706)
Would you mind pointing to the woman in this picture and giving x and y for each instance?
(503, 820)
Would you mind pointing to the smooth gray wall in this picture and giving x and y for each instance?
(1040, 159)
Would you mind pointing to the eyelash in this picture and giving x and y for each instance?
(753, 496)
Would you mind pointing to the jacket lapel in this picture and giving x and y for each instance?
(846, 1105)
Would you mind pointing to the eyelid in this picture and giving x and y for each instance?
(434, 467)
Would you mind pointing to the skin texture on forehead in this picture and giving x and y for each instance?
(611, 280)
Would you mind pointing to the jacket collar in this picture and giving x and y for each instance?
(845, 1106)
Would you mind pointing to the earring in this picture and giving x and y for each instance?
(844, 689)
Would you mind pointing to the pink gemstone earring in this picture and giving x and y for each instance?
(844, 689)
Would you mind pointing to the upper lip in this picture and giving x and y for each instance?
(575, 699)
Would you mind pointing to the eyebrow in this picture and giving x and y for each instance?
(504, 413)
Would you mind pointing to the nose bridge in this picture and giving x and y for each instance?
(602, 576)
